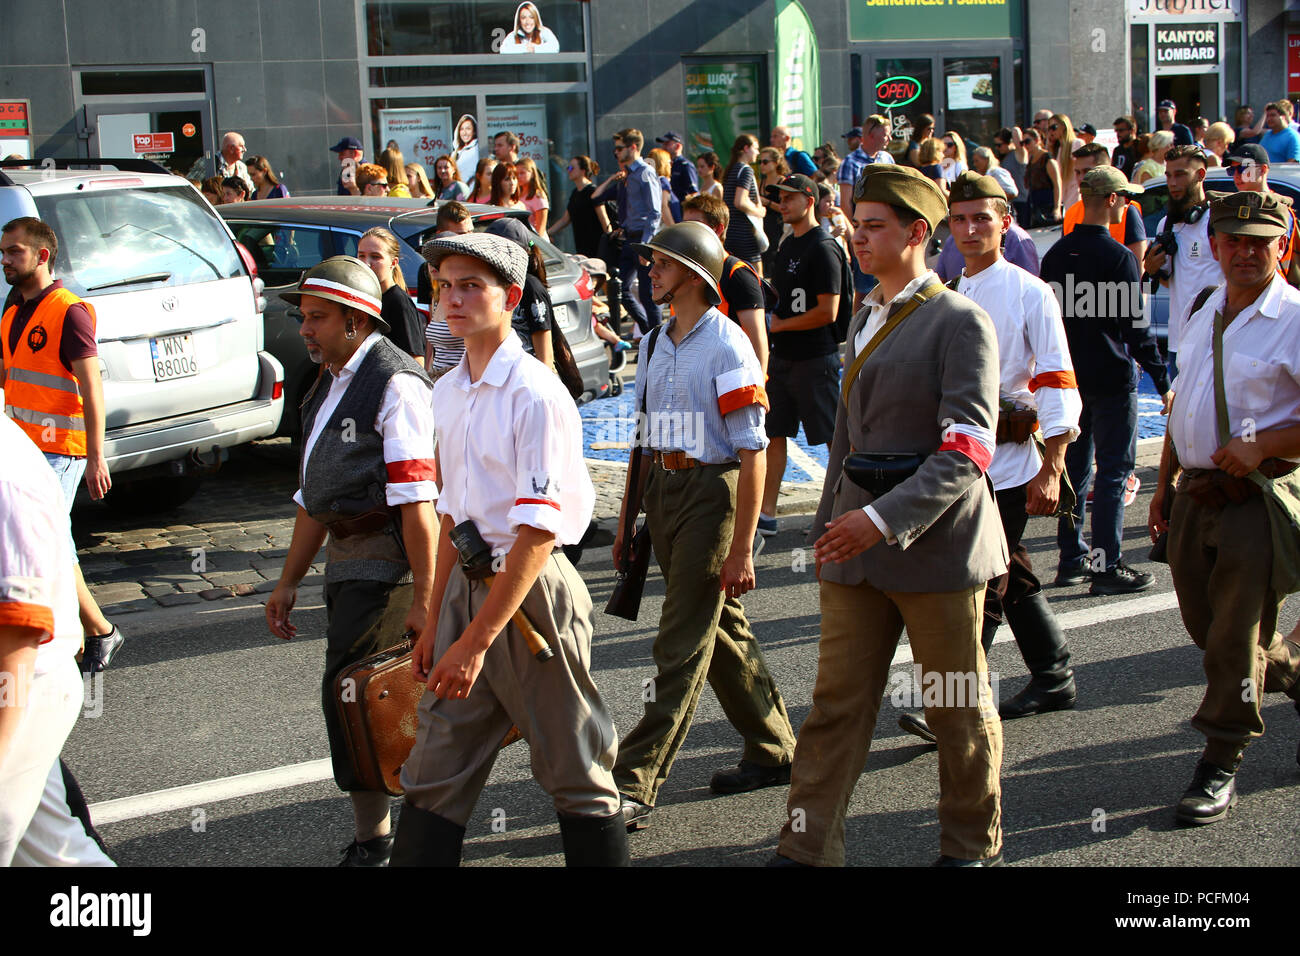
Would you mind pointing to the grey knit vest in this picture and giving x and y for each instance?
(346, 475)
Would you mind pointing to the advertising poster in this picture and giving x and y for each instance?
(527, 122)
(722, 101)
(971, 91)
(421, 134)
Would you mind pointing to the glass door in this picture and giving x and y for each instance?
(972, 90)
(904, 90)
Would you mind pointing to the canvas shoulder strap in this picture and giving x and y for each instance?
(894, 321)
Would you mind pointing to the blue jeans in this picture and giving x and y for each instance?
(1108, 428)
(69, 471)
(645, 313)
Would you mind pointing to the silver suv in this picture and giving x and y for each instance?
(179, 324)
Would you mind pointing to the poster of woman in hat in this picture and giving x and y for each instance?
(529, 36)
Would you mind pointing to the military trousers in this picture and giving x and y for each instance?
(703, 635)
(861, 626)
(1222, 563)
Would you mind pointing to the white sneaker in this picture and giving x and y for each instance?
(1131, 486)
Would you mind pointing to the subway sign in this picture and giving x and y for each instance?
(894, 91)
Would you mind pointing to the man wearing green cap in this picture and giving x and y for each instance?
(702, 391)
(914, 544)
(1234, 434)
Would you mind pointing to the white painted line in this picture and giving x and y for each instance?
(210, 791)
(804, 461)
(313, 771)
(1084, 617)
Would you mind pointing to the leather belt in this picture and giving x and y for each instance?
(1217, 489)
(367, 523)
(675, 460)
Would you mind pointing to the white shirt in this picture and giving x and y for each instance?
(510, 447)
(1261, 373)
(37, 583)
(1005, 180)
(405, 422)
(1194, 268)
(1031, 341)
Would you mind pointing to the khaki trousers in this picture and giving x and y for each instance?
(860, 630)
(1222, 563)
(703, 634)
(554, 704)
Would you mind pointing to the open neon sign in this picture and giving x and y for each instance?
(897, 91)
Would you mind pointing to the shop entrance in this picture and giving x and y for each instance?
(1195, 94)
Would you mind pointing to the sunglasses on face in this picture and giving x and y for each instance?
(1054, 128)
(948, 142)
(764, 162)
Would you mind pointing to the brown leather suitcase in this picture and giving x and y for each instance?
(378, 711)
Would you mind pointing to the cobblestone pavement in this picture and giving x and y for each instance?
(231, 538)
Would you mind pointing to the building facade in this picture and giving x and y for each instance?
(83, 78)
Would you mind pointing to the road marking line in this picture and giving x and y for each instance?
(314, 771)
(211, 791)
(805, 461)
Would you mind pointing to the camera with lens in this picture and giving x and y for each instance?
(1166, 242)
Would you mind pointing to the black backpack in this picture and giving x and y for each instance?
(844, 315)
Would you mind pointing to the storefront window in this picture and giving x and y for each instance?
(460, 27)
(904, 89)
(973, 98)
(1233, 94)
(1140, 60)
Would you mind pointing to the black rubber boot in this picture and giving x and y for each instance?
(991, 625)
(1042, 643)
(426, 839)
(594, 841)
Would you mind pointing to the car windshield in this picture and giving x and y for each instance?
(119, 239)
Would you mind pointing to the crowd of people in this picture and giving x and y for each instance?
(956, 402)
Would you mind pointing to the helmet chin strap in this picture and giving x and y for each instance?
(668, 296)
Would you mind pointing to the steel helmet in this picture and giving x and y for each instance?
(695, 246)
(345, 280)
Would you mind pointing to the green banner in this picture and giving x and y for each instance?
(871, 20)
(798, 98)
(722, 101)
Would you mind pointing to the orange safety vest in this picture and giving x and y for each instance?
(724, 306)
(41, 396)
(1074, 216)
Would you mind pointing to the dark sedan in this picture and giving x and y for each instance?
(287, 236)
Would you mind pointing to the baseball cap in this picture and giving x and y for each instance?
(798, 183)
(1086, 128)
(504, 256)
(1248, 152)
(856, 131)
(1260, 215)
(347, 142)
(1104, 180)
(1167, 105)
(668, 137)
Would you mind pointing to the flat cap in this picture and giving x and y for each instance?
(971, 185)
(897, 185)
(1104, 180)
(502, 255)
(1260, 215)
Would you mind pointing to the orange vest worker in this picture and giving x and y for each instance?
(42, 396)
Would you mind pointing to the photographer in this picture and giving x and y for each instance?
(1179, 256)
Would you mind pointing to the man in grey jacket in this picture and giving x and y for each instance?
(916, 550)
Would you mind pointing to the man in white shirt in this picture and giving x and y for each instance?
(232, 162)
(1191, 268)
(40, 687)
(510, 447)
(1037, 386)
(1227, 574)
(367, 480)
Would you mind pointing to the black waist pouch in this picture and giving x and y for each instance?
(879, 472)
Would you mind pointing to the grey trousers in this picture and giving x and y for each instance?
(554, 704)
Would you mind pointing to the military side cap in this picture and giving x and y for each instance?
(510, 261)
(971, 185)
(903, 186)
(1248, 214)
(1104, 180)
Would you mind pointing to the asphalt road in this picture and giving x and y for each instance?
(204, 693)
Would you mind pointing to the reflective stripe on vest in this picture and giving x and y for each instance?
(42, 396)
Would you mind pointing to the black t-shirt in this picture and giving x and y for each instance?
(399, 312)
(533, 314)
(806, 266)
(740, 287)
(586, 227)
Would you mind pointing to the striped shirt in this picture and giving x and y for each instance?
(447, 348)
(706, 395)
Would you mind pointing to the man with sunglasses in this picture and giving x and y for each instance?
(1125, 156)
(372, 180)
(1249, 167)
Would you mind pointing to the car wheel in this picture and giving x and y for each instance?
(148, 495)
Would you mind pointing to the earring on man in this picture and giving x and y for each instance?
(350, 331)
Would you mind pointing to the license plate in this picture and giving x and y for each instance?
(173, 357)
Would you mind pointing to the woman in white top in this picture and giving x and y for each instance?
(954, 157)
(984, 162)
(465, 143)
(710, 170)
(529, 36)
(1061, 143)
